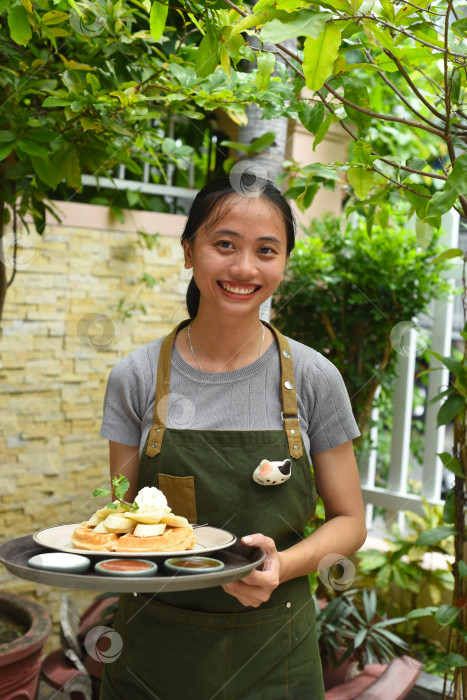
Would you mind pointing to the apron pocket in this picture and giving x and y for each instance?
(180, 494)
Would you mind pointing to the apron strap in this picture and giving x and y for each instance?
(288, 394)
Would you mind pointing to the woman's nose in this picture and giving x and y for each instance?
(244, 266)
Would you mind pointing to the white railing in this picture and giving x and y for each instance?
(397, 497)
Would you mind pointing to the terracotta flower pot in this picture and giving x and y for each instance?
(20, 660)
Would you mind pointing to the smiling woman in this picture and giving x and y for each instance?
(230, 396)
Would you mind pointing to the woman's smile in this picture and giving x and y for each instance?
(237, 289)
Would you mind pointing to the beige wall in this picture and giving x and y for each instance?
(52, 382)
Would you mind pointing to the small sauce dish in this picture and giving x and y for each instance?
(60, 561)
(193, 565)
(126, 567)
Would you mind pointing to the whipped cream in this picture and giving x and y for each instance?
(151, 498)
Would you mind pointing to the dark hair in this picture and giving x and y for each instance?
(212, 195)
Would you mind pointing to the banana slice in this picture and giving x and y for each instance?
(175, 520)
(105, 511)
(118, 524)
(144, 530)
(95, 520)
(101, 528)
(149, 517)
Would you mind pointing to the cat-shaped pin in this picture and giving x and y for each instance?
(272, 473)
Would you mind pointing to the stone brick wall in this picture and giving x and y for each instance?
(71, 313)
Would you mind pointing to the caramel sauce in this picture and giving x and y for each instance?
(193, 564)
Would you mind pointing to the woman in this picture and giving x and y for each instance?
(231, 392)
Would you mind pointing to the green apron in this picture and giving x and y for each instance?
(204, 644)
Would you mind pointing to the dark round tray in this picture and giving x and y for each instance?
(239, 560)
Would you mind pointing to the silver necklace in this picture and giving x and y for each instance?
(194, 354)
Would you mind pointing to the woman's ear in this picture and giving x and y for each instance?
(187, 251)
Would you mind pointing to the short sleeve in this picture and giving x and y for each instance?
(126, 397)
(331, 422)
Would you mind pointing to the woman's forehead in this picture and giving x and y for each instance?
(243, 211)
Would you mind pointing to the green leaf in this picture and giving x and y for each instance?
(357, 93)
(448, 508)
(459, 27)
(448, 254)
(45, 170)
(158, 18)
(53, 101)
(450, 661)
(361, 180)
(98, 493)
(418, 202)
(5, 150)
(72, 169)
(441, 202)
(32, 148)
(121, 485)
(20, 29)
(262, 142)
(362, 153)
(462, 568)
(450, 408)
(207, 56)
(437, 534)
(266, 62)
(421, 612)
(457, 180)
(311, 118)
(446, 614)
(322, 131)
(319, 56)
(423, 232)
(304, 23)
(6, 136)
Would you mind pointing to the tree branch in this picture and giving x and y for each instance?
(412, 84)
(396, 90)
(383, 117)
(401, 31)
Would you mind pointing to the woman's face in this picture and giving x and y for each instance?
(238, 257)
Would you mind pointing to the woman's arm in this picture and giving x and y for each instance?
(343, 533)
(124, 459)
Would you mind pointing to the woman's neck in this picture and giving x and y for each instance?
(222, 345)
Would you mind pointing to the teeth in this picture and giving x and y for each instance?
(237, 290)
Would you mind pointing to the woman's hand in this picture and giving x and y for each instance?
(257, 587)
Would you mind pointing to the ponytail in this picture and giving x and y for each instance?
(192, 298)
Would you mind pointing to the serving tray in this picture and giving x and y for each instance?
(239, 560)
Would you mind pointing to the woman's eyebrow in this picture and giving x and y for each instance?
(272, 239)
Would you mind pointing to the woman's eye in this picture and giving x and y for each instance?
(224, 244)
(266, 250)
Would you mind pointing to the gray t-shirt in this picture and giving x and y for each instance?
(242, 399)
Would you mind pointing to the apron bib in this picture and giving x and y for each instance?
(204, 644)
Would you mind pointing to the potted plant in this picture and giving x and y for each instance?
(352, 633)
(24, 629)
